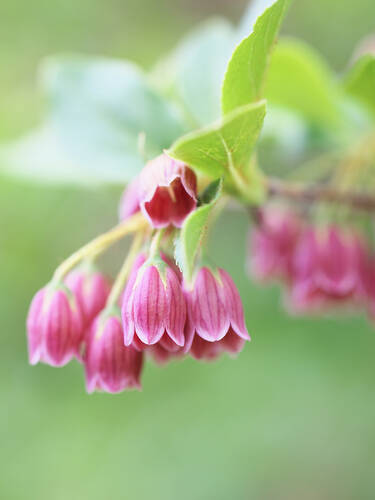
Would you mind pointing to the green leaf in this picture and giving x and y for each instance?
(98, 110)
(244, 79)
(194, 71)
(298, 79)
(188, 242)
(360, 82)
(254, 10)
(227, 144)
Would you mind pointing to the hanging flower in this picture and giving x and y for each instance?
(325, 270)
(54, 326)
(215, 315)
(154, 308)
(109, 365)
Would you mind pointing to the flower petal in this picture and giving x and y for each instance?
(149, 306)
(234, 305)
(176, 316)
(209, 310)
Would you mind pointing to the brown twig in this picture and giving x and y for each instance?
(303, 193)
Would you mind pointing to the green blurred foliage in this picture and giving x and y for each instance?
(291, 418)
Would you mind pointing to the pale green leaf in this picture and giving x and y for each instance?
(298, 79)
(194, 71)
(244, 79)
(254, 10)
(360, 81)
(193, 230)
(98, 109)
(40, 156)
(227, 144)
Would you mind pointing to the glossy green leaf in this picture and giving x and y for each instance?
(360, 82)
(188, 242)
(227, 144)
(247, 22)
(298, 79)
(244, 79)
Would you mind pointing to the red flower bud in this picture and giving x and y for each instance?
(167, 191)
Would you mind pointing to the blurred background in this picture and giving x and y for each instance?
(292, 418)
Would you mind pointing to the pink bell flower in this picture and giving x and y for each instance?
(109, 365)
(91, 290)
(153, 305)
(325, 270)
(215, 315)
(162, 356)
(162, 352)
(54, 327)
(200, 349)
(271, 245)
(167, 191)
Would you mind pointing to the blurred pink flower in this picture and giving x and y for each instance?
(91, 290)
(109, 365)
(162, 352)
(272, 245)
(366, 285)
(200, 349)
(325, 270)
(129, 203)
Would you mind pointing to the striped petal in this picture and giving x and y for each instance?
(149, 306)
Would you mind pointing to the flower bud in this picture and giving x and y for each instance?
(54, 326)
(109, 365)
(153, 306)
(129, 203)
(272, 244)
(167, 191)
(91, 290)
(215, 315)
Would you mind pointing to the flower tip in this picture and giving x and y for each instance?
(34, 358)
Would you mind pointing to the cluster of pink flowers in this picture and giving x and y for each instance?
(158, 312)
(321, 267)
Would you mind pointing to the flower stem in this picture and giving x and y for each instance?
(155, 243)
(123, 275)
(98, 245)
